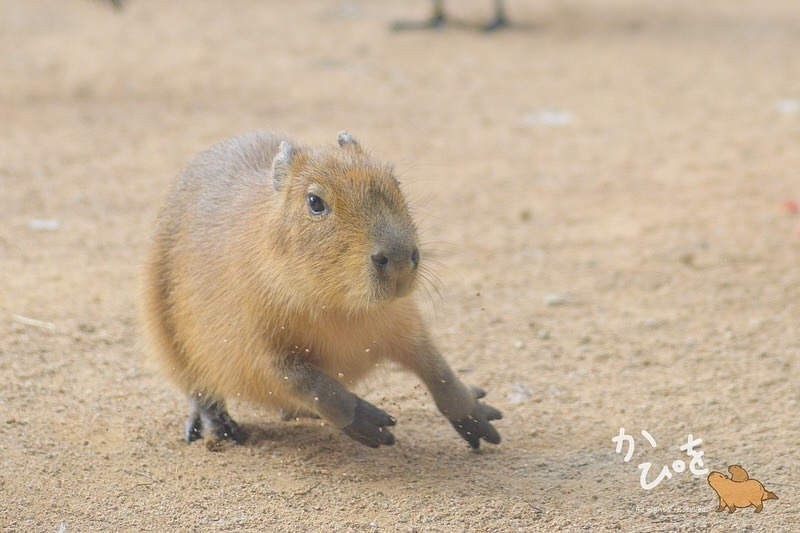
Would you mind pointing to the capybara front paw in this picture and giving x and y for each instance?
(369, 425)
(477, 425)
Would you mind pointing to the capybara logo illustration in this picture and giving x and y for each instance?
(738, 490)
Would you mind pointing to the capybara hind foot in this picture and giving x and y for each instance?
(210, 417)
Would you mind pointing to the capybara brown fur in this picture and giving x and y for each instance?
(283, 274)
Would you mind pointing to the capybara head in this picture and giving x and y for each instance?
(716, 477)
(345, 229)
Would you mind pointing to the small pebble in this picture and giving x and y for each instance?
(556, 299)
(550, 117)
(519, 393)
(43, 224)
(787, 106)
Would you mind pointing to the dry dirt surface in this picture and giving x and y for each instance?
(605, 195)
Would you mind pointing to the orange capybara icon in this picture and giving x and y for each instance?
(738, 490)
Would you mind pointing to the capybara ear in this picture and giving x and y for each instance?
(281, 165)
(346, 140)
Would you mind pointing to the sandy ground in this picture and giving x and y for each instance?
(602, 195)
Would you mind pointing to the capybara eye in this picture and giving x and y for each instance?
(316, 204)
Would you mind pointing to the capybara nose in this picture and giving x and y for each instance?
(380, 260)
(400, 259)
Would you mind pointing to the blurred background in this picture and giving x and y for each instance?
(608, 196)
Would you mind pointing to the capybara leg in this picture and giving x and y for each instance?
(437, 19)
(357, 418)
(209, 416)
(500, 20)
(293, 414)
(460, 404)
(759, 506)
